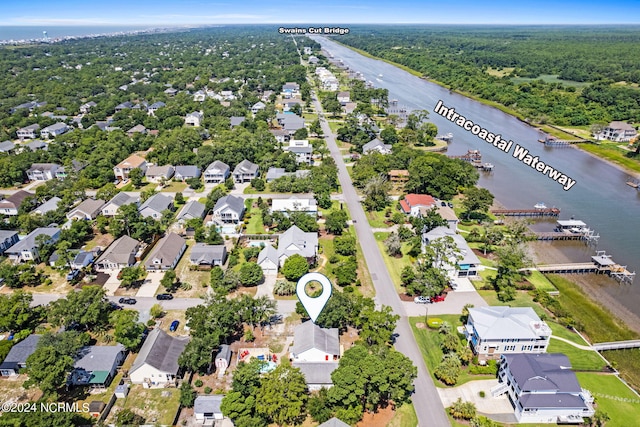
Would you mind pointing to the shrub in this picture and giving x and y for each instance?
(198, 383)
(435, 323)
(481, 393)
(207, 390)
(334, 259)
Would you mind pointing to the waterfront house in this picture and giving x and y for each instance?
(618, 132)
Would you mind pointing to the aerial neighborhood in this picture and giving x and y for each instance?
(157, 214)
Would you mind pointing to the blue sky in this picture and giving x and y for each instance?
(198, 12)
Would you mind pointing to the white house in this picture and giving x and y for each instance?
(543, 389)
(302, 150)
(618, 132)
(87, 210)
(206, 409)
(245, 171)
(295, 241)
(166, 253)
(493, 331)
(54, 130)
(376, 145)
(412, 204)
(157, 361)
(268, 259)
(316, 352)
(257, 107)
(216, 173)
(228, 210)
(155, 174)
(344, 97)
(206, 256)
(86, 108)
(155, 206)
(119, 200)
(42, 171)
(28, 132)
(11, 204)
(467, 266)
(194, 119)
(27, 248)
(295, 204)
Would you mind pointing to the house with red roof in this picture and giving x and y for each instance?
(412, 203)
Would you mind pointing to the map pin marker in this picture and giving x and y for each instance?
(314, 306)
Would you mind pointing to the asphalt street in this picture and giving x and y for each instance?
(426, 399)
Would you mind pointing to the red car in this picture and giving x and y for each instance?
(439, 298)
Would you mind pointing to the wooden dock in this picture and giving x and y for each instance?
(553, 142)
(559, 235)
(553, 212)
(600, 264)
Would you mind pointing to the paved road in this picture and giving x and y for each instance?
(426, 400)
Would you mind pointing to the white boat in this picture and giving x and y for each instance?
(540, 205)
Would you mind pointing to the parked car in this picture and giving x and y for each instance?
(129, 301)
(174, 325)
(439, 298)
(443, 203)
(115, 306)
(422, 300)
(164, 296)
(73, 274)
(450, 204)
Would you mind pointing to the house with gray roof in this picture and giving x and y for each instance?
(136, 129)
(8, 238)
(155, 205)
(7, 146)
(81, 260)
(206, 256)
(274, 173)
(27, 248)
(86, 108)
(301, 149)
(206, 409)
(37, 145)
(186, 171)
(86, 210)
(157, 361)
(257, 107)
(17, 357)
(216, 173)
(48, 206)
(42, 171)
(96, 365)
(166, 253)
(376, 145)
(236, 121)
(295, 241)
(245, 171)
(54, 130)
(121, 253)
(317, 375)
(268, 259)
(194, 119)
(124, 106)
(157, 173)
(543, 389)
(11, 204)
(155, 107)
(191, 210)
(467, 263)
(334, 422)
(290, 122)
(316, 352)
(120, 199)
(28, 132)
(228, 210)
(493, 331)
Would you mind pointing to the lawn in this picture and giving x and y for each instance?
(255, 225)
(405, 416)
(568, 334)
(612, 153)
(376, 219)
(523, 299)
(597, 322)
(628, 364)
(175, 187)
(158, 406)
(581, 360)
(550, 78)
(540, 281)
(394, 265)
(196, 278)
(612, 397)
(335, 206)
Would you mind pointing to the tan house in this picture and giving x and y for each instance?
(166, 253)
(122, 169)
(121, 253)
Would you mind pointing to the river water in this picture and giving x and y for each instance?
(600, 196)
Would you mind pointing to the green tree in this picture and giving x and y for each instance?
(258, 184)
(196, 356)
(282, 396)
(476, 200)
(127, 330)
(393, 244)
(462, 410)
(130, 275)
(126, 417)
(187, 395)
(48, 369)
(251, 274)
(345, 245)
(168, 280)
(16, 313)
(376, 193)
(179, 199)
(136, 175)
(346, 272)
(377, 326)
(156, 311)
(87, 308)
(336, 222)
(295, 267)
(448, 371)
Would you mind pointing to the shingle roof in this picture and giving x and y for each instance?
(217, 167)
(234, 203)
(188, 171)
(90, 207)
(208, 404)
(334, 422)
(235, 120)
(122, 199)
(549, 372)
(246, 167)
(6, 146)
(29, 242)
(19, 352)
(120, 251)
(166, 171)
(373, 144)
(201, 253)
(468, 257)
(98, 357)
(48, 206)
(157, 202)
(166, 250)
(296, 241)
(161, 351)
(36, 145)
(16, 198)
(268, 253)
(309, 336)
(193, 209)
(317, 372)
(133, 161)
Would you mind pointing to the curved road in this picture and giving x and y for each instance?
(426, 400)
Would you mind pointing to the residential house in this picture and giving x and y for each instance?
(17, 357)
(295, 241)
(166, 253)
(206, 409)
(8, 238)
(122, 169)
(236, 121)
(268, 259)
(76, 167)
(543, 389)
(151, 111)
(27, 248)
(266, 95)
(275, 173)
(448, 215)
(155, 174)
(313, 60)
(11, 204)
(157, 361)
(228, 210)
(216, 173)
(191, 210)
(48, 206)
(36, 145)
(7, 146)
(42, 171)
(412, 203)
(119, 200)
(207, 256)
(295, 204)
(398, 177)
(315, 351)
(282, 136)
(186, 172)
(334, 422)
(467, 266)
(54, 130)
(86, 210)
(136, 129)
(86, 108)
(96, 365)
(31, 105)
(302, 150)
(344, 97)
(199, 96)
(194, 119)
(124, 106)
(155, 205)
(82, 259)
(290, 89)
(618, 132)
(257, 107)
(245, 171)
(171, 91)
(120, 254)
(376, 145)
(290, 122)
(493, 331)
(28, 132)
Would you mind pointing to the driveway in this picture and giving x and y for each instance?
(112, 284)
(266, 288)
(453, 304)
(151, 284)
(487, 405)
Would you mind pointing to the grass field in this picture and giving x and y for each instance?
(523, 299)
(175, 187)
(581, 360)
(627, 362)
(550, 78)
(609, 392)
(376, 219)
(394, 265)
(612, 153)
(405, 416)
(539, 280)
(158, 406)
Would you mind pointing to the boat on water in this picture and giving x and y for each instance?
(380, 75)
(540, 205)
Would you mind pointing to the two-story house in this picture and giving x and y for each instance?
(194, 119)
(27, 249)
(42, 171)
(302, 150)
(465, 264)
(28, 132)
(245, 171)
(54, 130)
(166, 253)
(228, 210)
(216, 173)
(122, 169)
